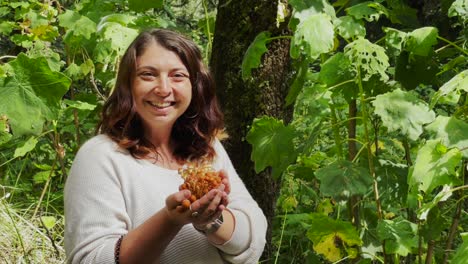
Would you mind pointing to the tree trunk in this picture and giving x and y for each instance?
(237, 24)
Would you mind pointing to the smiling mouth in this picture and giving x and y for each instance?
(161, 104)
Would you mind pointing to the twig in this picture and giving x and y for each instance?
(57, 252)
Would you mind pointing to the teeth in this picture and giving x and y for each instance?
(161, 105)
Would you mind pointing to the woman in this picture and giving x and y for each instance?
(123, 202)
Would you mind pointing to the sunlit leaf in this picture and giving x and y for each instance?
(303, 9)
(458, 83)
(435, 165)
(399, 235)
(42, 177)
(118, 36)
(48, 221)
(459, 8)
(253, 56)
(421, 40)
(272, 145)
(343, 179)
(452, 131)
(443, 195)
(71, 19)
(349, 28)
(313, 36)
(370, 11)
(369, 57)
(403, 111)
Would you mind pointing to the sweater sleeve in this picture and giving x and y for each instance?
(248, 240)
(94, 205)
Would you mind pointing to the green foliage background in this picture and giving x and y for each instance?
(393, 193)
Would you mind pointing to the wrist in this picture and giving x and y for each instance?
(211, 227)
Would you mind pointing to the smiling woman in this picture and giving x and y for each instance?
(124, 200)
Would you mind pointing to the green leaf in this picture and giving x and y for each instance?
(395, 39)
(403, 111)
(399, 235)
(71, 19)
(454, 86)
(443, 195)
(253, 56)
(42, 176)
(303, 9)
(434, 166)
(370, 11)
(79, 105)
(29, 145)
(367, 56)
(343, 179)
(420, 41)
(334, 239)
(272, 144)
(314, 36)
(118, 36)
(143, 5)
(452, 131)
(461, 255)
(48, 221)
(349, 28)
(298, 84)
(459, 8)
(337, 70)
(32, 95)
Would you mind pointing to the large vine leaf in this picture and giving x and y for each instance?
(117, 35)
(31, 95)
(461, 255)
(337, 71)
(334, 239)
(452, 88)
(367, 56)
(143, 5)
(403, 111)
(272, 145)
(71, 19)
(253, 56)
(459, 8)
(343, 179)
(435, 165)
(443, 195)
(370, 10)
(399, 235)
(452, 131)
(314, 36)
(349, 28)
(420, 41)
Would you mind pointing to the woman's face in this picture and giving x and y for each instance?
(161, 88)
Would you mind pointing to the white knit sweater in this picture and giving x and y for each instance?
(109, 193)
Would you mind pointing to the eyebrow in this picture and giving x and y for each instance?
(148, 67)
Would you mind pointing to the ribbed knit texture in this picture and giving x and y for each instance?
(109, 193)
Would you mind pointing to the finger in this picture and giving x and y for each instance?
(213, 206)
(175, 199)
(225, 181)
(203, 202)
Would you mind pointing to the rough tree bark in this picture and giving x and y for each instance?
(237, 24)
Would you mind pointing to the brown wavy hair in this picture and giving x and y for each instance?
(193, 132)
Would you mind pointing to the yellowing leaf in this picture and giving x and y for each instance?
(328, 248)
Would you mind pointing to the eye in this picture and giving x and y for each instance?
(179, 76)
(147, 75)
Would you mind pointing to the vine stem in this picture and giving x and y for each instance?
(365, 117)
(453, 44)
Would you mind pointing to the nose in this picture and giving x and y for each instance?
(163, 87)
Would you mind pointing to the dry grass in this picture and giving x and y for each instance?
(26, 241)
